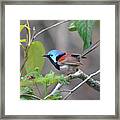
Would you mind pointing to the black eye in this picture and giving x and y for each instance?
(51, 55)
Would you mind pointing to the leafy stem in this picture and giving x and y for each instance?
(26, 49)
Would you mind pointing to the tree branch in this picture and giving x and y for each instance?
(75, 88)
(91, 82)
(79, 74)
(29, 32)
(57, 87)
(54, 25)
(23, 65)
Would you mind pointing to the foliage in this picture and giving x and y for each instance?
(35, 56)
(25, 92)
(63, 80)
(84, 28)
(47, 80)
(56, 96)
(34, 76)
(23, 41)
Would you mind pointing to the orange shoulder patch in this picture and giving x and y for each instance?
(62, 58)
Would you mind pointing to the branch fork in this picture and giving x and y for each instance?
(79, 74)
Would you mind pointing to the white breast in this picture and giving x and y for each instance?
(64, 68)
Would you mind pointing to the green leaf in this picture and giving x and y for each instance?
(72, 26)
(26, 93)
(26, 90)
(84, 28)
(35, 57)
(21, 27)
(23, 43)
(23, 40)
(63, 81)
(49, 79)
(56, 96)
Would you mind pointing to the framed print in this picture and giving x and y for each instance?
(59, 59)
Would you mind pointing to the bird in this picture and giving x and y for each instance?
(64, 61)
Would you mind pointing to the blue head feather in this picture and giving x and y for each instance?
(54, 54)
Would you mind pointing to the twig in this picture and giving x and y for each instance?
(29, 95)
(65, 90)
(29, 33)
(79, 74)
(54, 90)
(34, 31)
(54, 25)
(23, 65)
(93, 47)
(75, 88)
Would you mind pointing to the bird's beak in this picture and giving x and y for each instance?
(45, 55)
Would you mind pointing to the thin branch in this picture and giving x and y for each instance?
(65, 90)
(23, 65)
(54, 25)
(29, 33)
(75, 88)
(29, 95)
(34, 31)
(54, 90)
(27, 26)
(93, 47)
(79, 74)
